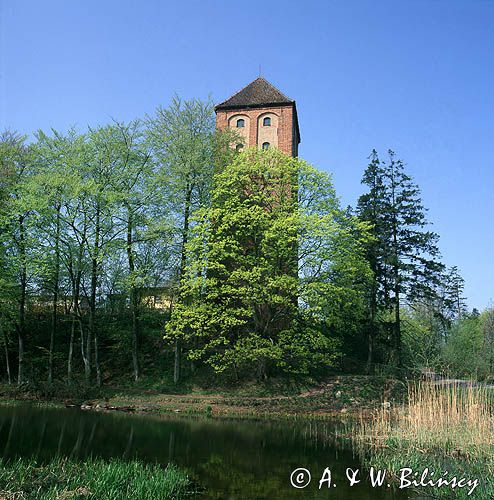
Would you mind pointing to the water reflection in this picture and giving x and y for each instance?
(231, 459)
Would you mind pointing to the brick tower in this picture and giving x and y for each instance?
(263, 115)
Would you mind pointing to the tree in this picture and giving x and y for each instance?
(10, 142)
(404, 255)
(371, 207)
(53, 160)
(17, 222)
(112, 160)
(187, 148)
(333, 272)
(486, 320)
(271, 265)
(454, 289)
(139, 223)
(462, 353)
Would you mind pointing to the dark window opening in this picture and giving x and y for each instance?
(240, 123)
(265, 145)
(266, 122)
(239, 147)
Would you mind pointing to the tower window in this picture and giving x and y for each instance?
(239, 147)
(265, 145)
(266, 122)
(240, 123)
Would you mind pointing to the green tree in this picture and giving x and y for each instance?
(486, 320)
(53, 159)
(16, 224)
(404, 255)
(271, 266)
(141, 219)
(10, 142)
(371, 207)
(187, 150)
(462, 354)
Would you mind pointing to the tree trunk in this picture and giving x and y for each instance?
(56, 279)
(134, 299)
(76, 316)
(396, 279)
(71, 352)
(370, 353)
(20, 372)
(372, 326)
(96, 360)
(396, 289)
(92, 333)
(458, 302)
(183, 260)
(6, 350)
(178, 356)
(262, 369)
(22, 301)
(397, 330)
(135, 334)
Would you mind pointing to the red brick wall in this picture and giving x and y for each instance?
(286, 132)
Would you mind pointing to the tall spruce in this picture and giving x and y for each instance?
(404, 254)
(370, 208)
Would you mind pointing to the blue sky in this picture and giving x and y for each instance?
(415, 76)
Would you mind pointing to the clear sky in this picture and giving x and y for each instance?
(415, 76)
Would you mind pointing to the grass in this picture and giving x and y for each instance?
(93, 479)
(443, 428)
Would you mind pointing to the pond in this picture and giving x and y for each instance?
(230, 459)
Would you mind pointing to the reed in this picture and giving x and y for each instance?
(440, 427)
(456, 419)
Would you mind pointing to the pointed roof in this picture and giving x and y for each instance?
(258, 93)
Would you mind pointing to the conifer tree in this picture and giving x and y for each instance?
(370, 207)
(455, 286)
(404, 254)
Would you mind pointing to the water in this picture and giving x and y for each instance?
(230, 459)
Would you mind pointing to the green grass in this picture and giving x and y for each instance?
(404, 454)
(93, 479)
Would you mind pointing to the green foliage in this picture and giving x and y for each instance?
(264, 271)
(462, 352)
(89, 220)
(187, 149)
(469, 350)
(422, 337)
(269, 272)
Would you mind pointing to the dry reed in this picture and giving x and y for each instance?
(454, 420)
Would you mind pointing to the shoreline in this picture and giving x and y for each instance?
(338, 397)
